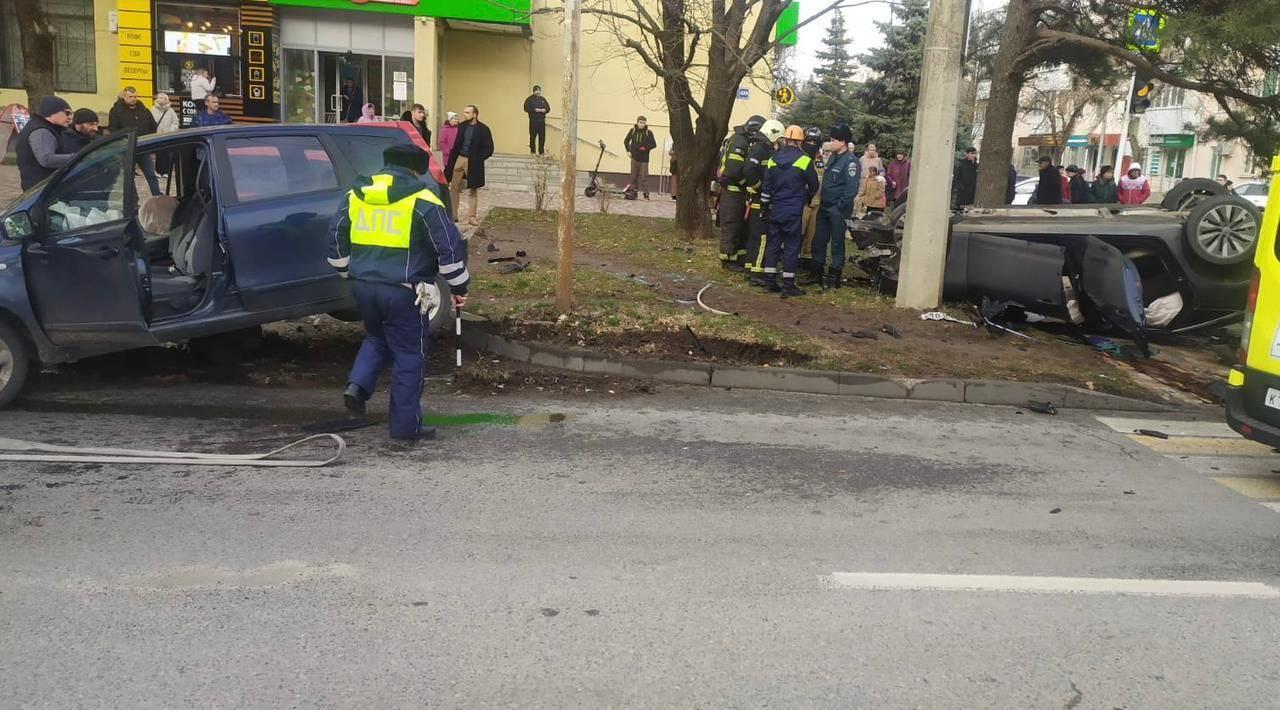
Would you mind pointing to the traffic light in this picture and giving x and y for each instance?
(1140, 97)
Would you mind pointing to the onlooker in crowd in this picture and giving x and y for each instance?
(201, 86)
(1103, 190)
(537, 107)
(368, 114)
(1079, 186)
(1066, 184)
(352, 101)
(1134, 188)
(639, 142)
(1010, 188)
(671, 156)
(82, 132)
(965, 180)
(37, 145)
(1223, 180)
(473, 146)
(899, 176)
(448, 135)
(212, 114)
(129, 115)
(870, 159)
(418, 117)
(167, 121)
(875, 194)
(1049, 189)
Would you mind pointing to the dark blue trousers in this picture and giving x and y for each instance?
(830, 231)
(395, 334)
(786, 232)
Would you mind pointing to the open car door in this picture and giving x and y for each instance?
(83, 268)
(1111, 281)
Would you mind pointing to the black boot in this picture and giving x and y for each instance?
(833, 278)
(353, 398)
(773, 285)
(759, 279)
(729, 265)
(811, 275)
(790, 290)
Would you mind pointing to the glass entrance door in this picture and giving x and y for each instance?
(333, 87)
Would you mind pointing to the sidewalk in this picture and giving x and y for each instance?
(660, 206)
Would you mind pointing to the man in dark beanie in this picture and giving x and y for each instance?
(83, 131)
(37, 146)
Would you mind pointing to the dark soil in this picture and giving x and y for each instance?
(686, 345)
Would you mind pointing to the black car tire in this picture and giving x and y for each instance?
(1186, 194)
(13, 375)
(898, 218)
(1223, 230)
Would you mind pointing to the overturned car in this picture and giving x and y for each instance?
(1182, 266)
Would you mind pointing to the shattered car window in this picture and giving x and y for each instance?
(91, 193)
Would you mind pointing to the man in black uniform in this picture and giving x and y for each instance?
(758, 157)
(732, 210)
(789, 184)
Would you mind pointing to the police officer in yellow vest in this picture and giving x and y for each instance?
(392, 237)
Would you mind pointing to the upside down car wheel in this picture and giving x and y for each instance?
(1223, 230)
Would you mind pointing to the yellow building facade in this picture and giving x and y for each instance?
(313, 60)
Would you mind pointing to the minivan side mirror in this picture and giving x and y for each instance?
(18, 226)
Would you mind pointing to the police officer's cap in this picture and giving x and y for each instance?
(841, 132)
(405, 155)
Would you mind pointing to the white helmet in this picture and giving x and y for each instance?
(773, 130)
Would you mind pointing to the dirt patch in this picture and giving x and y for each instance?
(854, 329)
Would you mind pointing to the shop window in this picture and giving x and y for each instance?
(191, 37)
(1175, 160)
(263, 168)
(75, 66)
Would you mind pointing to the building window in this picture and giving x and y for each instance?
(75, 66)
(191, 37)
(1175, 159)
(1169, 97)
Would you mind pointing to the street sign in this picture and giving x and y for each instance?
(784, 96)
(1145, 30)
(744, 94)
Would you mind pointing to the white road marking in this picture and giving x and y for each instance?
(884, 581)
(1126, 425)
(1273, 505)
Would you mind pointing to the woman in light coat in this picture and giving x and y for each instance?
(167, 121)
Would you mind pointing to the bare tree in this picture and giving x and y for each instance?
(37, 50)
(1060, 109)
(696, 53)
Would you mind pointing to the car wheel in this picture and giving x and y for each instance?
(1188, 193)
(15, 363)
(1223, 230)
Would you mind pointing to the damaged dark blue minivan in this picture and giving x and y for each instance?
(91, 264)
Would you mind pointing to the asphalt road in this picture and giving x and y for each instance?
(672, 550)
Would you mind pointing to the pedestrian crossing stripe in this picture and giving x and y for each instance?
(1203, 445)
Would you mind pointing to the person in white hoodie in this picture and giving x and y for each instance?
(167, 121)
(201, 86)
(1134, 188)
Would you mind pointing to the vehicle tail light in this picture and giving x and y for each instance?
(1250, 306)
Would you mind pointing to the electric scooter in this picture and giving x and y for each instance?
(596, 185)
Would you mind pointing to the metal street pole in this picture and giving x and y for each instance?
(924, 249)
(568, 156)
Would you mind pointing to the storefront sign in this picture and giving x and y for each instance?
(1077, 141)
(1174, 141)
(508, 11)
(136, 67)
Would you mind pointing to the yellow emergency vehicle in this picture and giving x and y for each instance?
(1253, 386)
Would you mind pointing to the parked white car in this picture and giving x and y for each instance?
(1023, 190)
(1254, 192)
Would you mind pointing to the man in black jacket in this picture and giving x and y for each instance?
(1049, 189)
(639, 142)
(471, 148)
(537, 107)
(965, 180)
(128, 114)
(37, 145)
(83, 130)
(1080, 194)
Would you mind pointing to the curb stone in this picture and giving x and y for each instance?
(785, 379)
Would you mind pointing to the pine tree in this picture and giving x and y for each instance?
(826, 99)
(887, 99)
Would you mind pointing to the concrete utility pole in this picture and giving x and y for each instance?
(924, 249)
(568, 155)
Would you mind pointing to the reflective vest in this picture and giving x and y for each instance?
(377, 222)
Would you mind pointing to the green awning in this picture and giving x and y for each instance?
(512, 12)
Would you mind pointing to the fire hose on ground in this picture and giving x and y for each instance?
(31, 451)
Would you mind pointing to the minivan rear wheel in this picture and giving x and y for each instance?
(15, 363)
